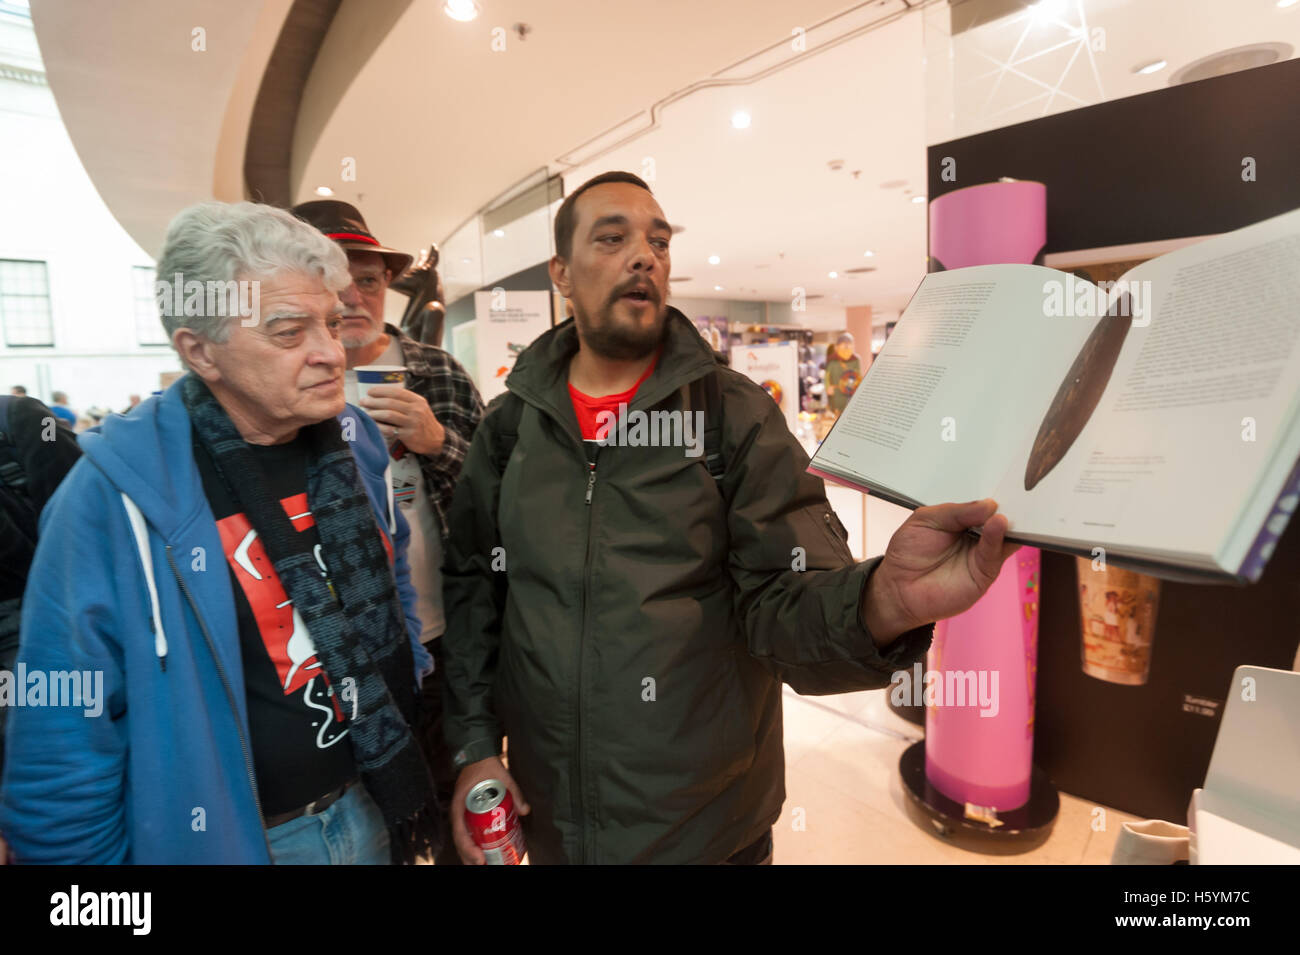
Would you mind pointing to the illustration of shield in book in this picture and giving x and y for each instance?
(1080, 392)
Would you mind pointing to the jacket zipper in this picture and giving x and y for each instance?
(587, 852)
(230, 697)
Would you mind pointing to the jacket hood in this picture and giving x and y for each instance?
(144, 455)
(541, 372)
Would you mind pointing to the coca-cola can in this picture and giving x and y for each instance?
(493, 823)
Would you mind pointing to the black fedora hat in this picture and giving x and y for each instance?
(343, 223)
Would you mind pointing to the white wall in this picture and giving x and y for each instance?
(50, 211)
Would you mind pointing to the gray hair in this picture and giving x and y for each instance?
(220, 244)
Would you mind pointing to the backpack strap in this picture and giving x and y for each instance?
(706, 394)
(507, 430)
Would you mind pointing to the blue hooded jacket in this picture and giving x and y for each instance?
(164, 773)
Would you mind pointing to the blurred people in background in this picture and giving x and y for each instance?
(59, 405)
(228, 561)
(18, 391)
(429, 424)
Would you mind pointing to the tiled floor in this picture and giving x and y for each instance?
(845, 802)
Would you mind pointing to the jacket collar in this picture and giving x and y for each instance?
(541, 373)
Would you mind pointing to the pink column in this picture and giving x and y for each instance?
(973, 753)
(983, 754)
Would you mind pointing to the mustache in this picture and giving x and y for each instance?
(651, 292)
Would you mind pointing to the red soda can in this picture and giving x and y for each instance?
(493, 823)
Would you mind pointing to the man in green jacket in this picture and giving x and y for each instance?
(624, 613)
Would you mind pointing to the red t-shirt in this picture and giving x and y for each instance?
(587, 408)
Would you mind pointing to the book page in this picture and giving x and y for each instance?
(1199, 399)
(956, 385)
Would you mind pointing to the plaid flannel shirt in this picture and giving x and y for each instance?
(443, 382)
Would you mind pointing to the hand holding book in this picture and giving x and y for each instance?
(934, 569)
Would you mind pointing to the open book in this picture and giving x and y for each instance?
(1157, 419)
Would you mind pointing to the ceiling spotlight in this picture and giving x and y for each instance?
(740, 119)
(717, 288)
(499, 233)
(1283, 4)
(714, 260)
(833, 275)
(462, 10)
(868, 253)
(324, 191)
(1230, 61)
(1155, 66)
(918, 198)
(466, 261)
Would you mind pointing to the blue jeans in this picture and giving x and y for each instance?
(350, 832)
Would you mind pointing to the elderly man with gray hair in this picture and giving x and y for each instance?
(219, 615)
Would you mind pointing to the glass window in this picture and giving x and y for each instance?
(25, 303)
(148, 326)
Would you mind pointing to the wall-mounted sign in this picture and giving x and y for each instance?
(505, 324)
(776, 369)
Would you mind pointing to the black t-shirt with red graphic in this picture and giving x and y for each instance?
(299, 736)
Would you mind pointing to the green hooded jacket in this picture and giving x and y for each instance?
(629, 628)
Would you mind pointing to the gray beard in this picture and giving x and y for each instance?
(351, 342)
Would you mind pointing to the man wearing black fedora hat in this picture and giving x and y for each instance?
(429, 423)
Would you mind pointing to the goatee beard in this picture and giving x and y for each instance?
(363, 340)
(620, 344)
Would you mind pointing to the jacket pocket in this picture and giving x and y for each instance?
(831, 529)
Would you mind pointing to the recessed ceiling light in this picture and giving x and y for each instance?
(714, 260)
(1283, 4)
(324, 191)
(499, 233)
(833, 275)
(467, 261)
(918, 198)
(1230, 61)
(462, 10)
(1155, 66)
(868, 253)
(717, 288)
(740, 119)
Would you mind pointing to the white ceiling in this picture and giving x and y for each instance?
(439, 124)
(1062, 54)
(158, 124)
(765, 200)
